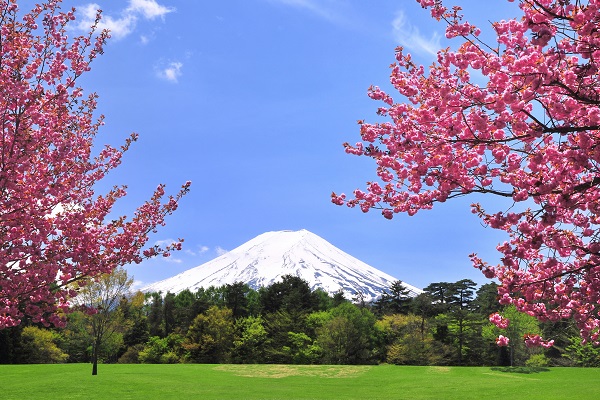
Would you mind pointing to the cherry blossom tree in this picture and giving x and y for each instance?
(518, 119)
(54, 229)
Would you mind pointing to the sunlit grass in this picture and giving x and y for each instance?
(191, 381)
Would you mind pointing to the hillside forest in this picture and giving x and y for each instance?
(288, 323)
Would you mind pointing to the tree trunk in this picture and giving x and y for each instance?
(95, 358)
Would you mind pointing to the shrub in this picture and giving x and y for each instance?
(537, 360)
(38, 346)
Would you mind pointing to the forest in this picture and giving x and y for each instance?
(288, 323)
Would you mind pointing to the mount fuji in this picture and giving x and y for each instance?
(266, 258)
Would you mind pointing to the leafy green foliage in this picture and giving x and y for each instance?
(38, 346)
(583, 355)
(162, 350)
(408, 340)
(446, 325)
(210, 337)
(348, 336)
(520, 325)
(250, 340)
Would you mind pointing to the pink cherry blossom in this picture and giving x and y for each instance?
(536, 341)
(527, 131)
(499, 321)
(55, 229)
(502, 341)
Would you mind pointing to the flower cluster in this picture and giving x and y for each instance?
(537, 341)
(528, 134)
(499, 321)
(54, 229)
(502, 341)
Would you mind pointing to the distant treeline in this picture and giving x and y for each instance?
(289, 323)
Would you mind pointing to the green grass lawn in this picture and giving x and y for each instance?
(192, 381)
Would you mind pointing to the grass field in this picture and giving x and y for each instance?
(191, 381)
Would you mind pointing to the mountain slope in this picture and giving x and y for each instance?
(264, 259)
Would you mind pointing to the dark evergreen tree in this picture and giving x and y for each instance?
(323, 301)
(10, 339)
(440, 294)
(292, 294)
(339, 298)
(169, 313)
(461, 310)
(235, 297)
(486, 302)
(187, 307)
(422, 306)
(399, 298)
(277, 325)
(155, 315)
(132, 309)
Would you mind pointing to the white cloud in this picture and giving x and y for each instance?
(164, 242)
(126, 22)
(170, 72)
(150, 9)
(137, 285)
(220, 251)
(409, 37)
(204, 249)
(118, 27)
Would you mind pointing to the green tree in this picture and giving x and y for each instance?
(187, 307)
(254, 307)
(210, 337)
(235, 296)
(277, 325)
(348, 336)
(292, 294)
(461, 312)
(302, 349)
(323, 301)
(76, 339)
(156, 315)
(338, 298)
(441, 294)
(397, 301)
(423, 306)
(582, 354)
(165, 350)
(211, 296)
(250, 340)
(39, 346)
(520, 325)
(102, 296)
(133, 311)
(486, 302)
(169, 313)
(407, 342)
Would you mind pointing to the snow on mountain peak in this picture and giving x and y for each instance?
(264, 259)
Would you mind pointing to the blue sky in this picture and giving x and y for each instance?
(251, 100)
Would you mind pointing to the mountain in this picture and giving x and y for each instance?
(264, 259)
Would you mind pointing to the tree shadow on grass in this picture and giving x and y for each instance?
(521, 370)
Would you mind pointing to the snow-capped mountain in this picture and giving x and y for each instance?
(266, 258)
